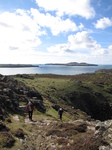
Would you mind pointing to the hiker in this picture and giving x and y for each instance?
(60, 112)
(30, 107)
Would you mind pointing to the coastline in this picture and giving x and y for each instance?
(52, 69)
(73, 64)
(17, 65)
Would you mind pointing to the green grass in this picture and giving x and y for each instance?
(68, 91)
(63, 91)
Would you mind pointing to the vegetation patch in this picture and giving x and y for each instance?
(19, 133)
(6, 140)
(80, 91)
(70, 126)
(62, 141)
(8, 120)
(79, 96)
(87, 142)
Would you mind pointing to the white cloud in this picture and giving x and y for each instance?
(81, 43)
(110, 47)
(18, 31)
(103, 23)
(59, 48)
(56, 24)
(110, 50)
(81, 26)
(81, 40)
(19, 36)
(68, 7)
(81, 47)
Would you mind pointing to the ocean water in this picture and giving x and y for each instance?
(53, 69)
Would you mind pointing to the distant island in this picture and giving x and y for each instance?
(17, 65)
(73, 64)
(32, 65)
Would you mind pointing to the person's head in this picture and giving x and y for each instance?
(60, 108)
(30, 101)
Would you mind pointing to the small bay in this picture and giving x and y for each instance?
(53, 69)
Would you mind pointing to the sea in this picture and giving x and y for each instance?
(53, 69)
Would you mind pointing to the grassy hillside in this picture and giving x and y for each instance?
(92, 93)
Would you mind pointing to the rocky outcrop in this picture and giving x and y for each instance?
(12, 92)
(38, 104)
(93, 103)
(104, 129)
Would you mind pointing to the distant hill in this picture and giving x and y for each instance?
(80, 64)
(16, 65)
(73, 64)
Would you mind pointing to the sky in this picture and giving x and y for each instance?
(55, 31)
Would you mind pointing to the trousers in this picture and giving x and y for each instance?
(30, 114)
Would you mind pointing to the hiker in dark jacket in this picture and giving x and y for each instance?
(60, 112)
(30, 107)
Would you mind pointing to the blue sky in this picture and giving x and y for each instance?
(55, 31)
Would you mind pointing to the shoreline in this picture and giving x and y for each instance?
(17, 65)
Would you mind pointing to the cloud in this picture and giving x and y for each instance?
(81, 47)
(5, 25)
(19, 31)
(56, 24)
(103, 23)
(110, 47)
(80, 42)
(110, 50)
(13, 48)
(24, 33)
(68, 7)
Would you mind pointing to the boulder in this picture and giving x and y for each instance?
(34, 93)
(56, 107)
(39, 105)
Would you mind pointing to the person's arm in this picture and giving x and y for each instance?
(32, 106)
(27, 107)
(58, 112)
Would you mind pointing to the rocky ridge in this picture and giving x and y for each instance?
(13, 92)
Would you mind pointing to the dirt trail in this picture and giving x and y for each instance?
(40, 140)
(38, 128)
(46, 134)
